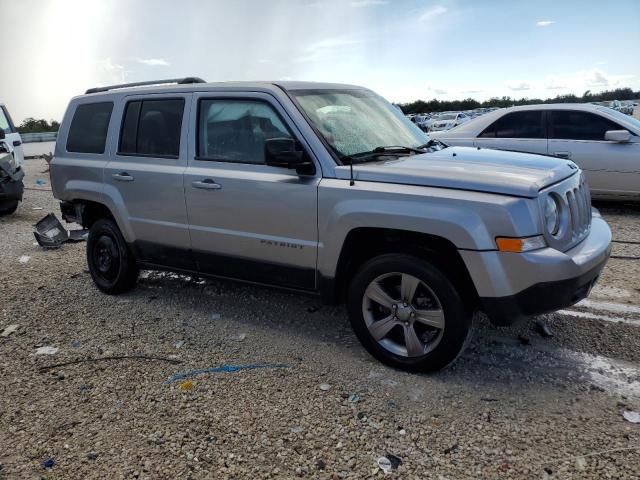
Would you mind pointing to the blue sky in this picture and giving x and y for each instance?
(404, 49)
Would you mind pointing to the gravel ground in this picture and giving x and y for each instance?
(551, 408)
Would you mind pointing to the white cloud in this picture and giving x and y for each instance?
(583, 79)
(107, 71)
(153, 62)
(597, 78)
(518, 86)
(323, 48)
(439, 91)
(545, 23)
(432, 13)
(367, 3)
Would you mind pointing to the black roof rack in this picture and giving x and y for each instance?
(179, 81)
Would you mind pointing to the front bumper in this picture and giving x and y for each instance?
(516, 286)
(11, 190)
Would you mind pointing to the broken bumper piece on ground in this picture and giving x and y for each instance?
(50, 233)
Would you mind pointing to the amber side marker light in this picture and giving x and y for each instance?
(519, 245)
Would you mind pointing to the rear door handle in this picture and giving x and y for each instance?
(122, 177)
(562, 154)
(207, 184)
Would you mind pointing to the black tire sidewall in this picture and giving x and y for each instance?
(8, 207)
(127, 270)
(458, 321)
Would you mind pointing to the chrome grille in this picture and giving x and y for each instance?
(579, 201)
(575, 207)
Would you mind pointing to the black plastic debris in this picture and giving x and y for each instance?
(543, 329)
(48, 463)
(395, 461)
(524, 340)
(50, 233)
(78, 235)
(452, 449)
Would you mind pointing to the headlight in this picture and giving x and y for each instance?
(551, 214)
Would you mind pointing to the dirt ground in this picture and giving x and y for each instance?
(515, 405)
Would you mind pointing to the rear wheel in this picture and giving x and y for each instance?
(407, 313)
(8, 207)
(111, 264)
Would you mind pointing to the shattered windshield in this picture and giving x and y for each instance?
(355, 121)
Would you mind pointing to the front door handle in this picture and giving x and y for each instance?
(122, 177)
(207, 184)
(562, 154)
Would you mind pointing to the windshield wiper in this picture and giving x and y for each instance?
(381, 151)
(432, 142)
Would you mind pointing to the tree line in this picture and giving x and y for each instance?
(421, 106)
(32, 125)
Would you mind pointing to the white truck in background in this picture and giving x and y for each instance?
(12, 137)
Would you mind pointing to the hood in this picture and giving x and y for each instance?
(482, 170)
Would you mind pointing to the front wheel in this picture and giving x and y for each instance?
(407, 313)
(111, 264)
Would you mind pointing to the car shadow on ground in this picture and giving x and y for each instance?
(497, 361)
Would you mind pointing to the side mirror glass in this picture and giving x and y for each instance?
(286, 152)
(620, 136)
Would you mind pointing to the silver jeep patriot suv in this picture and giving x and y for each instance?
(326, 189)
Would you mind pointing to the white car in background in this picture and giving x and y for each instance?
(446, 121)
(12, 137)
(603, 142)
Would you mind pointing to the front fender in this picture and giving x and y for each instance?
(469, 220)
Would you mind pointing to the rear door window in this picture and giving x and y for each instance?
(152, 128)
(88, 130)
(527, 124)
(576, 125)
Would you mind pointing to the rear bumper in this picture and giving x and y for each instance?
(514, 286)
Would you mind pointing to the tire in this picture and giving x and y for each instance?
(111, 264)
(8, 207)
(435, 313)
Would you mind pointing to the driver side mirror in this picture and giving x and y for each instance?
(2, 135)
(287, 153)
(620, 136)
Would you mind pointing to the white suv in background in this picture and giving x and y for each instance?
(12, 137)
(603, 142)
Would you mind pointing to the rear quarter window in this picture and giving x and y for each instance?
(88, 130)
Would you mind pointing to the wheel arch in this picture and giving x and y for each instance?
(87, 212)
(364, 243)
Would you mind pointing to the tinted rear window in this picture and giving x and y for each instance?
(152, 128)
(88, 131)
(516, 125)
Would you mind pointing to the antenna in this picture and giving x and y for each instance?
(352, 182)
